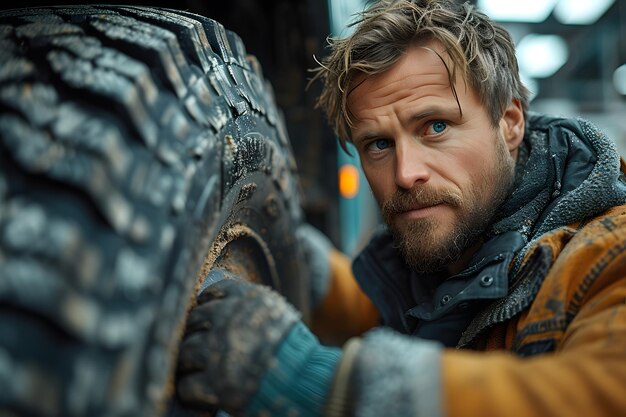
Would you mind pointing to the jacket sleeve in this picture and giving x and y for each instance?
(345, 311)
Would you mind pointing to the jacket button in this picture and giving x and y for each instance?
(486, 280)
(445, 299)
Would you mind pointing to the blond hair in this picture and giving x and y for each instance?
(480, 50)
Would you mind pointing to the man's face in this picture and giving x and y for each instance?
(438, 176)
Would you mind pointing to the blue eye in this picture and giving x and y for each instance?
(439, 126)
(381, 144)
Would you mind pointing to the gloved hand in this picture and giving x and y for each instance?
(316, 248)
(247, 352)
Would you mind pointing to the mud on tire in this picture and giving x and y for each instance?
(138, 148)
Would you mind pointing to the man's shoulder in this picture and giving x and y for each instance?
(612, 220)
(605, 229)
(586, 272)
(589, 250)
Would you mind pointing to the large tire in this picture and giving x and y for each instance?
(139, 148)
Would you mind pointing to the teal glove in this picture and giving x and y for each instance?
(247, 352)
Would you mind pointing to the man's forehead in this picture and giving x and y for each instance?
(427, 62)
(421, 72)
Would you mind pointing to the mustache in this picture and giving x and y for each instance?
(417, 198)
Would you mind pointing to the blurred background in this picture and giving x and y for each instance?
(572, 56)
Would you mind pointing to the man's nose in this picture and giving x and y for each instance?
(411, 167)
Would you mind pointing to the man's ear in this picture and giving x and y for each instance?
(512, 125)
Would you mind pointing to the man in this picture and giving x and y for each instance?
(506, 237)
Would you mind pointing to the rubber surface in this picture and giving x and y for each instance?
(131, 139)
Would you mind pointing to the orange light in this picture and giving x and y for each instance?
(348, 181)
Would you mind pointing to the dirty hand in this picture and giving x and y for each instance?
(247, 352)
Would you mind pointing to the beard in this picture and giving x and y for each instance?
(421, 242)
